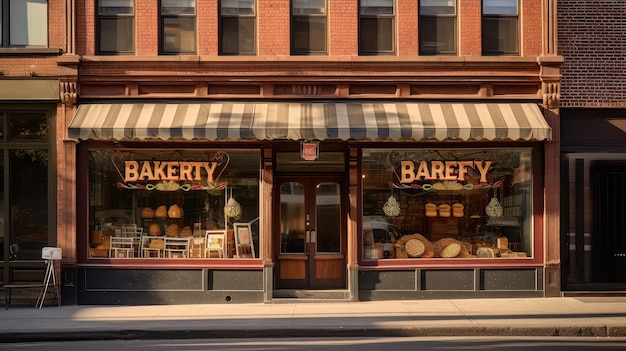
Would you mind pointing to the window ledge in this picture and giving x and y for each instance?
(31, 51)
(312, 58)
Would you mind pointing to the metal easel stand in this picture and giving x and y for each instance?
(50, 276)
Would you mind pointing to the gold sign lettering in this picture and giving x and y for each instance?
(442, 170)
(168, 170)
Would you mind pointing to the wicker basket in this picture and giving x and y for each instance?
(413, 246)
(457, 248)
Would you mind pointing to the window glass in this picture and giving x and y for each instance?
(500, 27)
(308, 27)
(238, 27)
(28, 23)
(28, 219)
(309, 7)
(418, 202)
(28, 125)
(171, 204)
(437, 7)
(437, 27)
(499, 7)
(376, 27)
(376, 7)
(178, 26)
(116, 26)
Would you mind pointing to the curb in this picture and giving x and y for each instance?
(588, 331)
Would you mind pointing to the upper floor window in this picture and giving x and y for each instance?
(437, 27)
(178, 26)
(308, 27)
(237, 27)
(500, 27)
(376, 27)
(116, 26)
(23, 23)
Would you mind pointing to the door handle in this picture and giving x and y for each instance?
(307, 239)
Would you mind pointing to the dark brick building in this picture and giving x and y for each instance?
(592, 38)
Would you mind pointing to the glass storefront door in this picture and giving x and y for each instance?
(310, 229)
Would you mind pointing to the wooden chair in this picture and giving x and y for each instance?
(51, 283)
(176, 247)
(152, 246)
(121, 247)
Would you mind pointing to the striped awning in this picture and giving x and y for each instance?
(310, 121)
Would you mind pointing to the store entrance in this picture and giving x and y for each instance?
(310, 229)
(609, 244)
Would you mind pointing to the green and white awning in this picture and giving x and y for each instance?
(310, 121)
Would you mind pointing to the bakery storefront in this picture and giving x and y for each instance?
(251, 202)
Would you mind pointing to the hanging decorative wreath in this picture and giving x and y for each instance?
(391, 207)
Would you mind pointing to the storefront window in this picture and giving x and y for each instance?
(176, 204)
(461, 203)
(29, 203)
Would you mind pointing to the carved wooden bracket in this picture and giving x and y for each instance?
(551, 92)
(67, 93)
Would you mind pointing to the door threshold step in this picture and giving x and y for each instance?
(295, 295)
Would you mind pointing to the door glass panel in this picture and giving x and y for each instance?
(328, 212)
(292, 217)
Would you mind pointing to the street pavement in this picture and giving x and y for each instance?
(562, 316)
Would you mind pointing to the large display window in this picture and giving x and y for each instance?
(447, 203)
(174, 204)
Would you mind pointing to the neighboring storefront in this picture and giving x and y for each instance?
(593, 200)
(249, 202)
(27, 172)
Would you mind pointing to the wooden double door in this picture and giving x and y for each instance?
(310, 228)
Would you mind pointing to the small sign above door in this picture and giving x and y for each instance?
(309, 150)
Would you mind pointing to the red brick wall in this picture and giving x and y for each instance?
(407, 28)
(592, 38)
(41, 65)
(146, 28)
(343, 25)
(273, 22)
(469, 17)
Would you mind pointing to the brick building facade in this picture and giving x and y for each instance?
(444, 83)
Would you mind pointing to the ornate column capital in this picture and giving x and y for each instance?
(67, 92)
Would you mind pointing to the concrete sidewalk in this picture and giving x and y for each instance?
(585, 316)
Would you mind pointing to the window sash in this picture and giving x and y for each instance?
(500, 7)
(308, 7)
(178, 26)
(308, 35)
(28, 23)
(376, 35)
(178, 7)
(437, 35)
(116, 34)
(178, 34)
(500, 35)
(237, 8)
(115, 7)
(237, 35)
(376, 7)
(437, 7)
